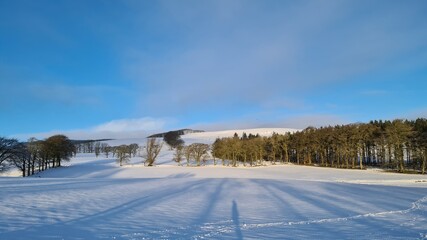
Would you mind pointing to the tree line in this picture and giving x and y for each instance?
(398, 145)
(197, 153)
(35, 155)
(39, 155)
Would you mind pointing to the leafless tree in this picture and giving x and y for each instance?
(200, 152)
(152, 150)
(179, 154)
(8, 148)
(59, 148)
(133, 149)
(122, 154)
(107, 149)
(97, 148)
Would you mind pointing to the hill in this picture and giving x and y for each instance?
(180, 132)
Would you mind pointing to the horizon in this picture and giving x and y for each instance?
(82, 135)
(107, 68)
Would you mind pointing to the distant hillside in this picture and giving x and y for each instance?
(87, 141)
(180, 132)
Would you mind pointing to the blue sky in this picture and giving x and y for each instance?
(100, 68)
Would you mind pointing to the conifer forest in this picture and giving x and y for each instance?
(398, 145)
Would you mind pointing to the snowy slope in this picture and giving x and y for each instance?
(94, 198)
(209, 137)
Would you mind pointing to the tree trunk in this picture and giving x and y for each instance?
(286, 155)
(28, 168)
(23, 170)
(423, 167)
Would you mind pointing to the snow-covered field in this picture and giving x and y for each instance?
(94, 198)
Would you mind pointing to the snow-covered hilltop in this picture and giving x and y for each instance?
(212, 135)
(208, 136)
(205, 137)
(179, 132)
(264, 132)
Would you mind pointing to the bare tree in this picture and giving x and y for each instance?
(200, 152)
(8, 148)
(97, 148)
(179, 154)
(122, 154)
(152, 150)
(60, 148)
(22, 159)
(107, 149)
(133, 149)
(188, 154)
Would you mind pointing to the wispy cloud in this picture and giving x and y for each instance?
(142, 127)
(254, 63)
(248, 59)
(298, 122)
(54, 91)
(116, 129)
(128, 125)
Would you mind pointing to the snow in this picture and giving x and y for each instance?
(94, 198)
(209, 137)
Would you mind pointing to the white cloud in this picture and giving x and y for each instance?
(116, 129)
(129, 125)
(247, 57)
(143, 127)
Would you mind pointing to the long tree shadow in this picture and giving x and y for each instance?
(314, 199)
(213, 199)
(388, 197)
(101, 222)
(59, 185)
(337, 215)
(236, 222)
(281, 202)
(99, 168)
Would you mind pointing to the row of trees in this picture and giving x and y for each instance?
(398, 145)
(197, 152)
(123, 153)
(90, 146)
(39, 155)
(35, 155)
(131, 150)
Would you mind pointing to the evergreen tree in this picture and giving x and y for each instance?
(173, 139)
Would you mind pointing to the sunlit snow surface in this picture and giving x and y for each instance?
(93, 198)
